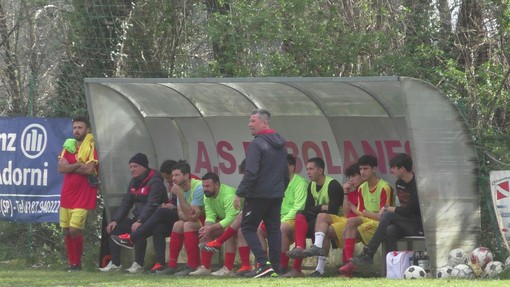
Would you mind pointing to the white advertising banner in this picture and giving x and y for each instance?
(500, 190)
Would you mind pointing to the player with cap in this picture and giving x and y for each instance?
(145, 193)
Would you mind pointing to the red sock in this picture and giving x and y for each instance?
(300, 229)
(78, 249)
(284, 260)
(226, 235)
(192, 250)
(70, 249)
(206, 258)
(297, 264)
(229, 260)
(344, 260)
(175, 246)
(349, 247)
(244, 255)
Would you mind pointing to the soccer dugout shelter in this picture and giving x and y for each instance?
(204, 121)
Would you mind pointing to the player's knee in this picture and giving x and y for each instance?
(323, 217)
(178, 226)
(285, 228)
(352, 223)
(73, 232)
(191, 226)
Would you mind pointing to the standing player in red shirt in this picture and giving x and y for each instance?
(78, 162)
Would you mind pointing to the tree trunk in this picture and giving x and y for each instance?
(220, 51)
(11, 68)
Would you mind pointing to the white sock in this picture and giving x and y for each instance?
(319, 239)
(321, 264)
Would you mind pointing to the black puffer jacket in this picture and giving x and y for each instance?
(267, 173)
(145, 195)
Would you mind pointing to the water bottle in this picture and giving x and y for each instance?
(421, 260)
(412, 259)
(426, 262)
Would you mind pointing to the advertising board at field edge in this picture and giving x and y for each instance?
(500, 190)
(29, 182)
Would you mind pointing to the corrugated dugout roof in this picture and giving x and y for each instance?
(285, 96)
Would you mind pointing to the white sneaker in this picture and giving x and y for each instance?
(135, 268)
(223, 272)
(201, 271)
(110, 268)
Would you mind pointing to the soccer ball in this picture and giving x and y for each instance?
(414, 272)
(481, 256)
(463, 271)
(507, 263)
(456, 257)
(444, 272)
(493, 268)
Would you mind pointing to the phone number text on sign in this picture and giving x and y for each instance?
(11, 207)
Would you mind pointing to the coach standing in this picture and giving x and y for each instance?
(263, 185)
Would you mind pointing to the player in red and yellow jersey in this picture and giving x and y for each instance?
(373, 195)
(78, 162)
(332, 226)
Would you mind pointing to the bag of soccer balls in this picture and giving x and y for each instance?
(478, 264)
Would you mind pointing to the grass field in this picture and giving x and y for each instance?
(15, 274)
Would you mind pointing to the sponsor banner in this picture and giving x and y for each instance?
(29, 182)
(500, 190)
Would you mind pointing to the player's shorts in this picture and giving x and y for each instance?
(338, 225)
(367, 229)
(74, 217)
(291, 222)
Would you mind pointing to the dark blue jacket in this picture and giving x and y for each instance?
(266, 174)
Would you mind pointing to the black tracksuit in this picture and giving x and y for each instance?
(263, 186)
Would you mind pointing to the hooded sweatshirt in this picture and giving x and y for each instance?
(266, 174)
